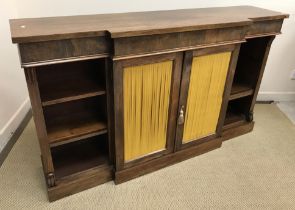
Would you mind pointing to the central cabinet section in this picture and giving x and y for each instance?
(168, 102)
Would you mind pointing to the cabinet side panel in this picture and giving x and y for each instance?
(207, 80)
(146, 91)
(38, 115)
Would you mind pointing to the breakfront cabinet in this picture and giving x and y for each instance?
(116, 96)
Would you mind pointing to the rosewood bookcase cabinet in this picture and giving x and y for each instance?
(116, 96)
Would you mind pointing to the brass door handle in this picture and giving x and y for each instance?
(181, 116)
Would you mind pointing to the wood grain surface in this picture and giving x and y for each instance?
(136, 23)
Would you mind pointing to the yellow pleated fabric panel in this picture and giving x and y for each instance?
(207, 80)
(146, 92)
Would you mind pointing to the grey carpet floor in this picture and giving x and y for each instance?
(253, 171)
(288, 108)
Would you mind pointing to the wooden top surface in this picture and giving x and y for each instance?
(136, 23)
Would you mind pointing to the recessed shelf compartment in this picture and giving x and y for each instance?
(248, 67)
(64, 82)
(80, 156)
(75, 120)
(247, 77)
(233, 119)
(236, 111)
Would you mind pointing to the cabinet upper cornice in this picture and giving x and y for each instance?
(137, 23)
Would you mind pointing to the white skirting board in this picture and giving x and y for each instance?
(13, 123)
(276, 96)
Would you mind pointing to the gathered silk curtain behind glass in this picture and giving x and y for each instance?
(146, 93)
(207, 81)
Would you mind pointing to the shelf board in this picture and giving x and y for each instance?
(79, 157)
(72, 98)
(233, 119)
(74, 130)
(240, 90)
(78, 138)
(71, 92)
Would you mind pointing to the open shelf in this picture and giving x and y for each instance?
(75, 120)
(80, 156)
(240, 90)
(70, 94)
(246, 80)
(73, 131)
(64, 82)
(233, 119)
(248, 67)
(235, 114)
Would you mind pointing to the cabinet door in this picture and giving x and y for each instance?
(146, 92)
(204, 91)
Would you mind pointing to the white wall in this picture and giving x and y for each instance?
(13, 95)
(14, 102)
(276, 84)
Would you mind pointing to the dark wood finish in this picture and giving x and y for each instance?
(52, 51)
(250, 61)
(249, 72)
(129, 46)
(262, 28)
(185, 88)
(95, 92)
(71, 81)
(233, 119)
(75, 119)
(68, 130)
(161, 162)
(80, 181)
(236, 113)
(215, 49)
(74, 72)
(117, 74)
(237, 131)
(227, 88)
(80, 156)
(137, 23)
(38, 116)
(119, 110)
(110, 109)
(240, 90)
(264, 52)
(71, 139)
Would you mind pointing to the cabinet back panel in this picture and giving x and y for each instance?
(146, 93)
(207, 80)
